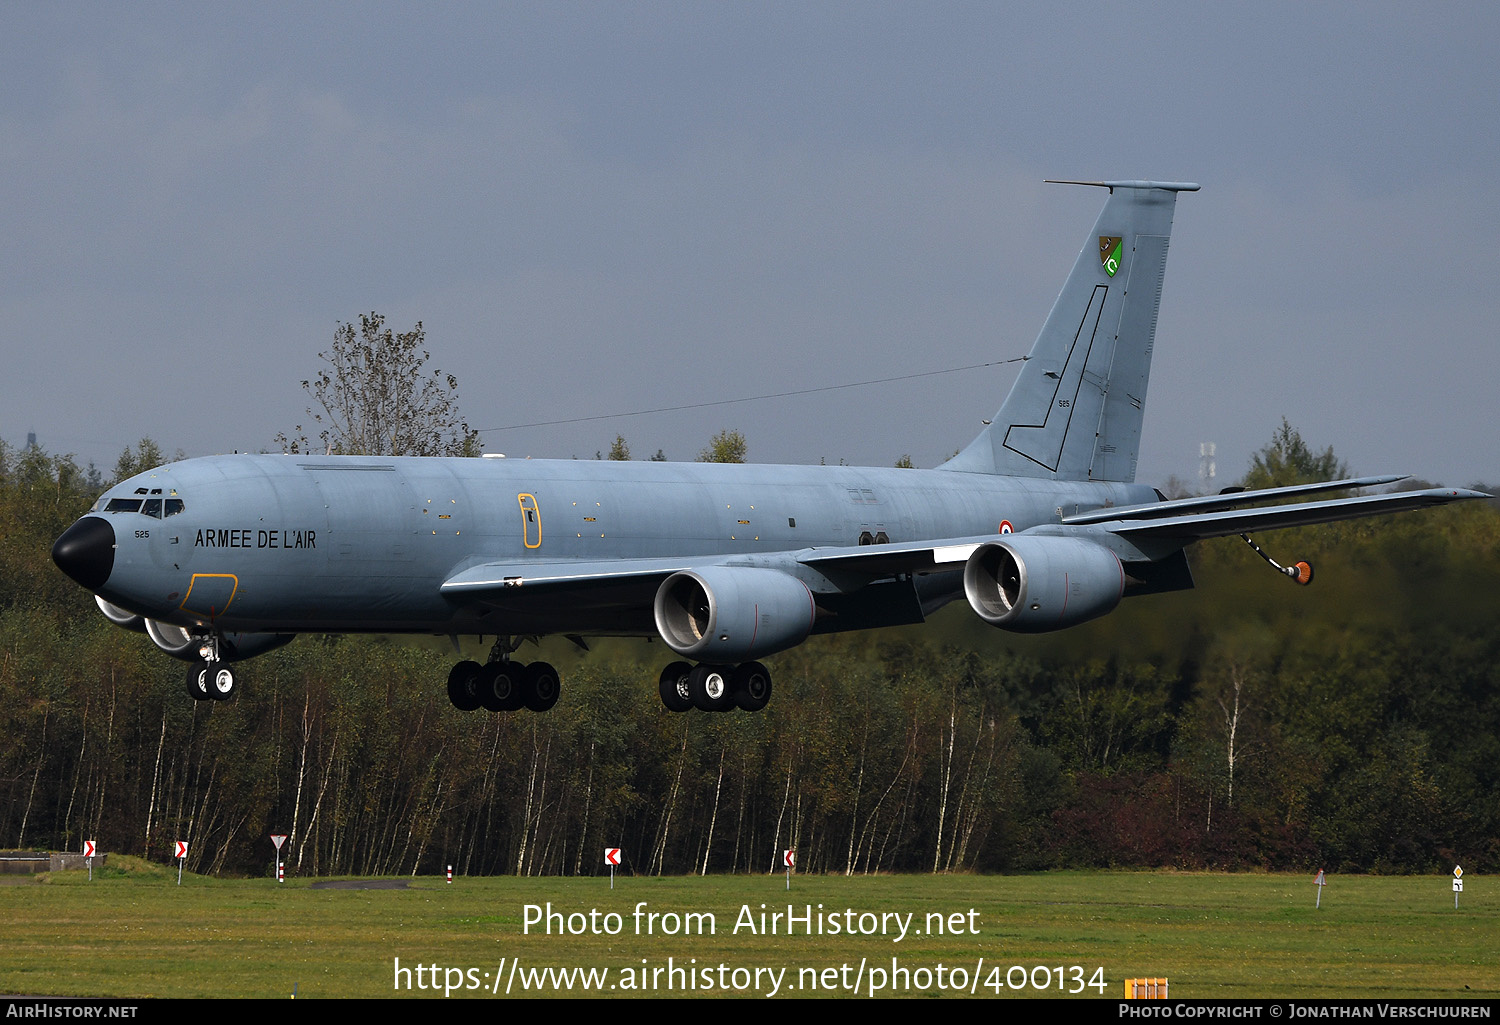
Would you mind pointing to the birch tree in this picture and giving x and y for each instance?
(374, 397)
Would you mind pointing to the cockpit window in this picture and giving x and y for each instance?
(156, 508)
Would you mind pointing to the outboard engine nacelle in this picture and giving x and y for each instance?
(1035, 584)
(733, 613)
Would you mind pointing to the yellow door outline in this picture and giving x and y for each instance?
(531, 521)
(211, 612)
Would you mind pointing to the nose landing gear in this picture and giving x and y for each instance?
(210, 678)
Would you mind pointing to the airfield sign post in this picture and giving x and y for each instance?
(278, 839)
(611, 858)
(89, 846)
(1458, 884)
(180, 853)
(1320, 882)
(790, 857)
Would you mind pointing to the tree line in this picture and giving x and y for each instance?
(1353, 725)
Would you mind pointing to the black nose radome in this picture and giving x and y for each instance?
(86, 552)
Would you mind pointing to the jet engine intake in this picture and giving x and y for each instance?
(175, 640)
(120, 617)
(733, 613)
(1036, 584)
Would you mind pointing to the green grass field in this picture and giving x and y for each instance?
(132, 932)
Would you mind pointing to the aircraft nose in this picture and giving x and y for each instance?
(86, 552)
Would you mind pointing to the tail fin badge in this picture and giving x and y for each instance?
(1109, 253)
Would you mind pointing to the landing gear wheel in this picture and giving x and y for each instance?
(499, 687)
(221, 683)
(540, 686)
(673, 687)
(197, 681)
(709, 688)
(463, 689)
(751, 683)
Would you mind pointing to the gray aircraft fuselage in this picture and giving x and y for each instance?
(274, 543)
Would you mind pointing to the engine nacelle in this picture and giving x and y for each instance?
(174, 640)
(1035, 584)
(120, 617)
(733, 613)
(179, 642)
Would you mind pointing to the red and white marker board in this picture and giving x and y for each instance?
(181, 849)
(89, 846)
(611, 855)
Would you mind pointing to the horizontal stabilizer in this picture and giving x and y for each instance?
(1164, 186)
(1238, 521)
(1231, 500)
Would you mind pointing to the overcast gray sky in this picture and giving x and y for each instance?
(600, 208)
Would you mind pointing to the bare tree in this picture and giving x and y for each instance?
(374, 398)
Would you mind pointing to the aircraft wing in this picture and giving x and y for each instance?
(872, 561)
(493, 577)
(639, 578)
(632, 583)
(1191, 526)
(592, 596)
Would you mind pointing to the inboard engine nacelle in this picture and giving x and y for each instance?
(1036, 584)
(179, 642)
(733, 613)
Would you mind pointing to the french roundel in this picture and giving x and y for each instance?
(1005, 527)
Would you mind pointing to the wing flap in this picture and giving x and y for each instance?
(938, 555)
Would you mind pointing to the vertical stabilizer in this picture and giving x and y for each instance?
(1075, 411)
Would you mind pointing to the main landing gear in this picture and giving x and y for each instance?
(715, 688)
(210, 678)
(502, 685)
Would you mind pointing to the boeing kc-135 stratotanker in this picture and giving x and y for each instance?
(1037, 523)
